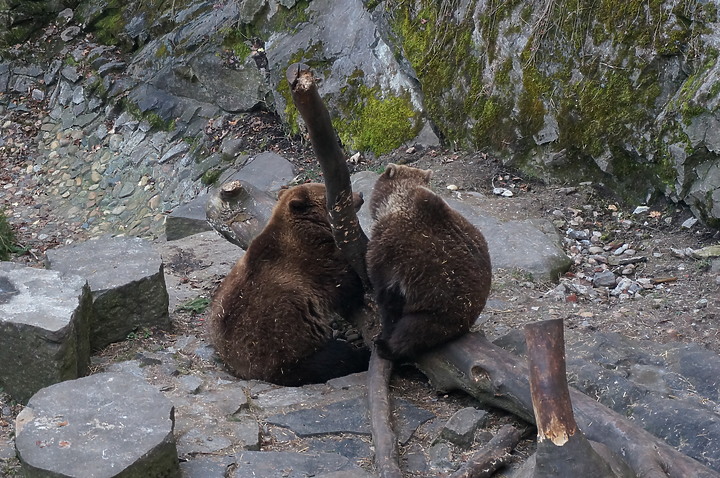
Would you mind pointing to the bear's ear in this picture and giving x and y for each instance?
(299, 205)
(281, 193)
(428, 174)
(390, 170)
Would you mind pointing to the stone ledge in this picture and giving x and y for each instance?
(45, 319)
(127, 281)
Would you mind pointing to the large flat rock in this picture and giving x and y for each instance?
(45, 321)
(127, 282)
(101, 426)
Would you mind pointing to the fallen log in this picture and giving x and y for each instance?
(239, 211)
(498, 378)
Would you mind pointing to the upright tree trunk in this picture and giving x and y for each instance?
(352, 241)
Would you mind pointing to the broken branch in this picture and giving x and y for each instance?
(348, 234)
(492, 457)
(499, 378)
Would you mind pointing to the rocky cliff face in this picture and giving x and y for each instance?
(620, 92)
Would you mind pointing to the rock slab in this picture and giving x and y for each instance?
(127, 282)
(90, 427)
(45, 321)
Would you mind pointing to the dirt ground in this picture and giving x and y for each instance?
(680, 300)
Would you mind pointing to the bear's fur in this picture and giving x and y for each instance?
(271, 315)
(428, 265)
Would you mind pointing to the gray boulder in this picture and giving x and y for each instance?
(45, 319)
(267, 171)
(114, 424)
(187, 219)
(127, 283)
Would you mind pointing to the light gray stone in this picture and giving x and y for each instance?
(461, 427)
(113, 424)
(45, 320)
(127, 283)
(349, 416)
(268, 171)
(295, 465)
(604, 279)
(187, 219)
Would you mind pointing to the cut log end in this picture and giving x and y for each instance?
(299, 76)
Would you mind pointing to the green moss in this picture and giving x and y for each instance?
(375, 123)
(162, 51)
(110, 27)
(211, 176)
(236, 40)
(155, 120)
(7, 238)
(530, 102)
(289, 19)
(714, 90)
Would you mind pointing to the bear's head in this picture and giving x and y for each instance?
(307, 202)
(394, 184)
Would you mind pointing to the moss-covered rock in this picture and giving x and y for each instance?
(568, 89)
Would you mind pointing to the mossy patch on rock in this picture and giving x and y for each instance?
(376, 123)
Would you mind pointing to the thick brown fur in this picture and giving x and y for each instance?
(428, 265)
(271, 315)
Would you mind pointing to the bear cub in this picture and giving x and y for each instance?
(428, 265)
(271, 316)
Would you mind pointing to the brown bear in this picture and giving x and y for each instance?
(428, 265)
(271, 316)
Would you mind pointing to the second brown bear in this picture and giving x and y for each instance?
(428, 265)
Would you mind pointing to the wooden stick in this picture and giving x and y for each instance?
(492, 457)
(386, 452)
(562, 449)
(349, 236)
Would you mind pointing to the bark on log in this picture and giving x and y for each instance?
(352, 241)
(562, 449)
(239, 211)
(493, 455)
(499, 378)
